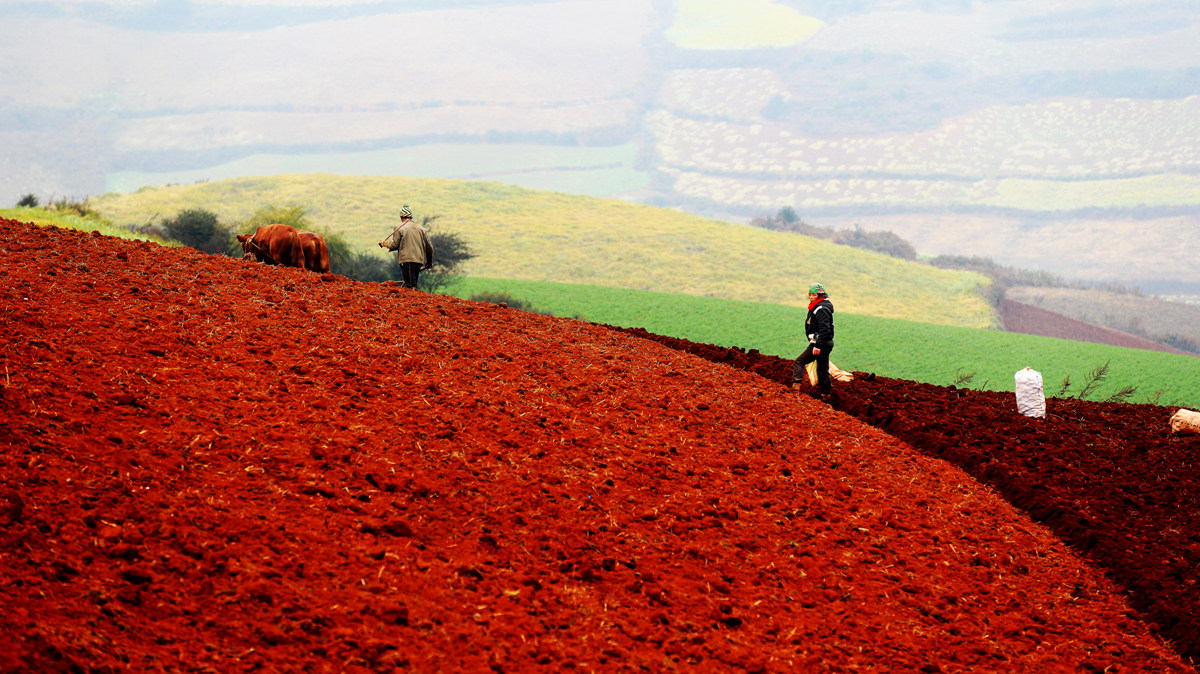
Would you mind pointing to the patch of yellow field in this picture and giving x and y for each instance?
(1150, 191)
(739, 24)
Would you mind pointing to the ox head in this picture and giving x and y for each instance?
(248, 247)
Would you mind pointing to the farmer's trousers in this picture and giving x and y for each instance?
(824, 383)
(411, 272)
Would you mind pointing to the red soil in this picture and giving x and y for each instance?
(1030, 320)
(212, 464)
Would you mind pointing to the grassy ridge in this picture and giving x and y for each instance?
(548, 236)
(892, 348)
(69, 220)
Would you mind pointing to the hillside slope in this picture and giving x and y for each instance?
(545, 236)
(1030, 320)
(1149, 316)
(214, 464)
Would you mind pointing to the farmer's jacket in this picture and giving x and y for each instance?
(818, 325)
(411, 244)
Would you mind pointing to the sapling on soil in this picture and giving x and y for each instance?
(1097, 376)
(1066, 385)
(1122, 395)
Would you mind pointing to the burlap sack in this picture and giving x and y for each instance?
(1186, 421)
(835, 372)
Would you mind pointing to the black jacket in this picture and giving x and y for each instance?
(818, 325)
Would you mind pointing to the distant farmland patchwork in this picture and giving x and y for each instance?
(593, 171)
(965, 161)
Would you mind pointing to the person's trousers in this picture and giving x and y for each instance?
(411, 272)
(824, 383)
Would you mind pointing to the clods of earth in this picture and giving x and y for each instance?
(213, 465)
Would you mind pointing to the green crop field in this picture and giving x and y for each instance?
(548, 236)
(941, 355)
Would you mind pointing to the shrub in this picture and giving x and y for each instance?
(199, 228)
(80, 208)
(1182, 343)
(29, 201)
(450, 251)
(507, 299)
(1003, 276)
(887, 243)
(292, 215)
(884, 242)
(365, 267)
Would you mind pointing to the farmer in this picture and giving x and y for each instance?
(414, 252)
(818, 326)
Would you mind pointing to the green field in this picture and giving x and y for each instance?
(893, 348)
(548, 236)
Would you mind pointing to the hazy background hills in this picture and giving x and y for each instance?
(1057, 135)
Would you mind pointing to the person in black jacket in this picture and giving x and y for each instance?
(818, 326)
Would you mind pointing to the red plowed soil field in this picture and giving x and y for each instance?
(1030, 320)
(214, 465)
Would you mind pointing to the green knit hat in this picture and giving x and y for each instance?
(817, 289)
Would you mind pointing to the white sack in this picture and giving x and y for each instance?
(1031, 399)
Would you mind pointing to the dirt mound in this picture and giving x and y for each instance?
(211, 464)
(1030, 320)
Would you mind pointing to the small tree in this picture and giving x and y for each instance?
(450, 250)
(29, 201)
(76, 206)
(293, 215)
(200, 229)
(340, 253)
(508, 300)
(365, 266)
(884, 242)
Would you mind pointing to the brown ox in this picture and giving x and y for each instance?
(316, 253)
(273, 244)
